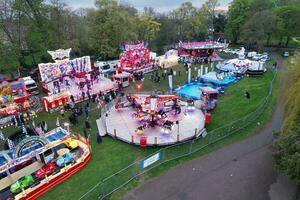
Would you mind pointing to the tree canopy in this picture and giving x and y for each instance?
(287, 144)
(28, 28)
(256, 22)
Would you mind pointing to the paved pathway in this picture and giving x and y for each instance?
(241, 171)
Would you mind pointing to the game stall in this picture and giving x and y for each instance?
(13, 97)
(15, 102)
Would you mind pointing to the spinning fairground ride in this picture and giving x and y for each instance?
(152, 120)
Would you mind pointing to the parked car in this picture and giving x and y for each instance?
(286, 54)
(71, 143)
(65, 159)
(46, 170)
(22, 183)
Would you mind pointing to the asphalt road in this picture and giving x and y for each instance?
(241, 171)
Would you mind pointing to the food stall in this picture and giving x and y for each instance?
(55, 100)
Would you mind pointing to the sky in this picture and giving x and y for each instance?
(158, 5)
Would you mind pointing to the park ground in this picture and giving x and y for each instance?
(112, 155)
(243, 170)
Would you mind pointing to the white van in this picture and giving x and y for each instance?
(108, 67)
(31, 85)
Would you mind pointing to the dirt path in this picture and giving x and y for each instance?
(241, 171)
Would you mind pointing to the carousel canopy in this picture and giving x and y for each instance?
(240, 62)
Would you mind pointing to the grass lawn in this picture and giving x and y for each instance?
(220, 119)
(112, 155)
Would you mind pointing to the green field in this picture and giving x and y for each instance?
(112, 155)
(228, 110)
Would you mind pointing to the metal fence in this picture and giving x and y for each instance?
(109, 185)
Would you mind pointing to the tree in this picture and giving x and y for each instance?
(287, 143)
(183, 17)
(148, 28)
(9, 62)
(200, 25)
(219, 23)
(259, 28)
(167, 34)
(209, 7)
(109, 26)
(289, 25)
(237, 16)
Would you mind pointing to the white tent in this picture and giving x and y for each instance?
(240, 62)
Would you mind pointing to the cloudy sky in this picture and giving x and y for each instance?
(159, 5)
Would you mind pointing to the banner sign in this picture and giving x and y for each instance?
(52, 71)
(60, 54)
(151, 160)
(139, 45)
(200, 45)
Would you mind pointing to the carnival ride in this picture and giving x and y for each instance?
(241, 65)
(218, 79)
(39, 162)
(200, 50)
(136, 58)
(158, 119)
(75, 78)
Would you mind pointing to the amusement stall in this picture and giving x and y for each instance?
(200, 50)
(13, 97)
(136, 58)
(73, 80)
(169, 59)
(16, 104)
(34, 163)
